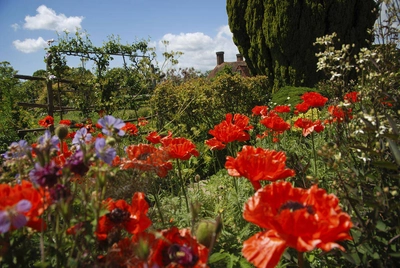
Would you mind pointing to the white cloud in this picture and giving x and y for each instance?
(199, 49)
(30, 45)
(47, 19)
(15, 26)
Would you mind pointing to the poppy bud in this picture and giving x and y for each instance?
(61, 131)
(143, 249)
(207, 231)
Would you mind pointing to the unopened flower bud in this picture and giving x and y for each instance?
(142, 249)
(207, 231)
(61, 131)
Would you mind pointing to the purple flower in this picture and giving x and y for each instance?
(14, 216)
(47, 141)
(77, 164)
(17, 150)
(59, 191)
(46, 175)
(183, 255)
(110, 124)
(103, 151)
(81, 137)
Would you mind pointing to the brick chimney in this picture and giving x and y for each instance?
(220, 57)
(239, 57)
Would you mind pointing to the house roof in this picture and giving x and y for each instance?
(238, 66)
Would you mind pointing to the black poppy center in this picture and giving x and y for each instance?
(118, 215)
(293, 206)
(143, 156)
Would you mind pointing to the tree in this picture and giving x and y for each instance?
(10, 113)
(276, 37)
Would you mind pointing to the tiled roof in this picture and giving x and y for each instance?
(237, 66)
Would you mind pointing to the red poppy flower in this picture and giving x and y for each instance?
(179, 148)
(142, 121)
(116, 161)
(340, 114)
(129, 253)
(303, 219)
(155, 138)
(177, 248)
(275, 123)
(215, 144)
(121, 215)
(130, 128)
(314, 99)
(65, 122)
(352, 97)
(101, 113)
(302, 107)
(47, 121)
(11, 195)
(89, 128)
(74, 230)
(260, 110)
(71, 135)
(146, 157)
(386, 103)
(282, 109)
(241, 121)
(61, 157)
(257, 164)
(309, 126)
(233, 128)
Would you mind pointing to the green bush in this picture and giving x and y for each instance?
(197, 105)
(290, 95)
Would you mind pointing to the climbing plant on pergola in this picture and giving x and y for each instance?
(137, 59)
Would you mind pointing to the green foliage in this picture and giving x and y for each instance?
(122, 88)
(12, 116)
(357, 160)
(192, 108)
(276, 37)
(290, 95)
(199, 104)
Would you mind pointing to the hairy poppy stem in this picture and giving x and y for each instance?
(315, 155)
(300, 259)
(313, 147)
(158, 207)
(182, 184)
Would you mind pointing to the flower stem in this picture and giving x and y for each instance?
(182, 184)
(315, 155)
(300, 259)
(158, 207)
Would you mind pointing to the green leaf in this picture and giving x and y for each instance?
(385, 164)
(244, 263)
(395, 254)
(392, 124)
(395, 151)
(42, 264)
(381, 226)
(216, 257)
(351, 257)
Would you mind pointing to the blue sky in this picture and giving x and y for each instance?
(196, 28)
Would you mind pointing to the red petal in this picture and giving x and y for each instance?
(264, 249)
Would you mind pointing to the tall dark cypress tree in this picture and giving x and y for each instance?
(276, 36)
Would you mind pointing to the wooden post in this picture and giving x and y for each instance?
(50, 96)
